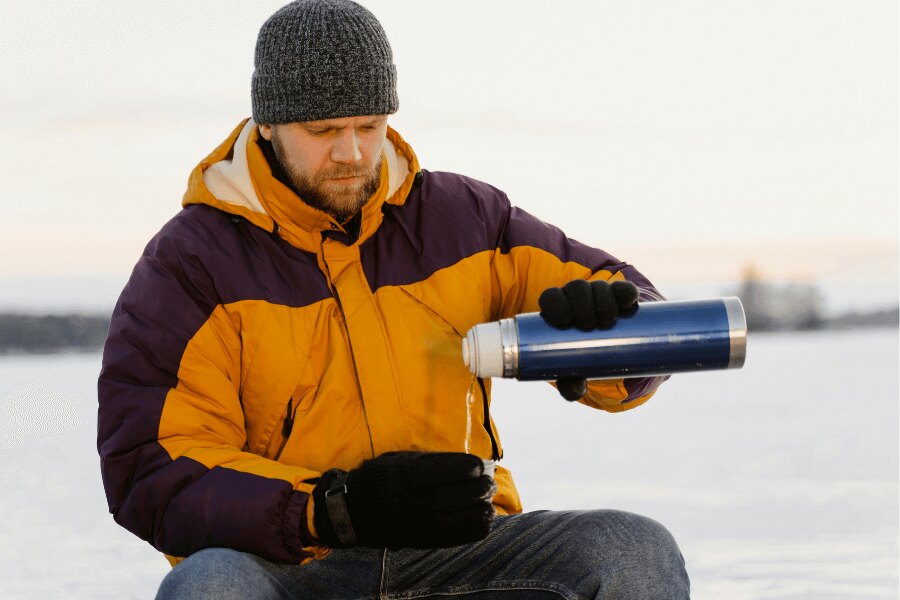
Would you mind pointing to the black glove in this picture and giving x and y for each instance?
(586, 305)
(405, 500)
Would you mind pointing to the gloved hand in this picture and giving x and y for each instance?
(405, 499)
(586, 305)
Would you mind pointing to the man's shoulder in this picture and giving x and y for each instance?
(198, 220)
(445, 206)
(196, 231)
(455, 185)
(455, 196)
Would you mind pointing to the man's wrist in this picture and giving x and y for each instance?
(336, 505)
(331, 518)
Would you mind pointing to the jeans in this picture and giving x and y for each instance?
(573, 555)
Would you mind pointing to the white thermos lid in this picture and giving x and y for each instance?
(482, 350)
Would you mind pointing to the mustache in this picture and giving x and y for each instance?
(346, 172)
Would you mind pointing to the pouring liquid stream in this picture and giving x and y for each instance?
(470, 401)
(489, 464)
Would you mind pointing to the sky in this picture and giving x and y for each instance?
(690, 138)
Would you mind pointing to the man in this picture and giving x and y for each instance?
(282, 400)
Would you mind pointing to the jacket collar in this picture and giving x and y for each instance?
(237, 178)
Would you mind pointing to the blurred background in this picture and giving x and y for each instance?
(724, 148)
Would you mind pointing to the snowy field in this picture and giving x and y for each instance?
(779, 481)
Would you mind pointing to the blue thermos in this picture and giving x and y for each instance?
(658, 338)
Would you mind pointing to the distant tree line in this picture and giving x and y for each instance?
(889, 317)
(38, 334)
(789, 307)
(798, 306)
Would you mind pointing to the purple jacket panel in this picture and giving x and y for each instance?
(202, 258)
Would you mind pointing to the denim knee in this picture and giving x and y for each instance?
(636, 556)
(218, 573)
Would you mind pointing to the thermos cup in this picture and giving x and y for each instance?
(657, 338)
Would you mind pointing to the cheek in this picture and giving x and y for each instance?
(311, 164)
(290, 157)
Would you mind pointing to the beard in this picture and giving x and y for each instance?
(340, 200)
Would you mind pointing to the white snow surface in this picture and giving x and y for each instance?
(778, 481)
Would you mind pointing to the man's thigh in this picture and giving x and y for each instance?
(532, 556)
(572, 555)
(223, 574)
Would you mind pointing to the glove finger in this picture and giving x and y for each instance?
(425, 527)
(446, 538)
(578, 292)
(555, 308)
(470, 493)
(437, 468)
(443, 530)
(626, 295)
(605, 306)
(571, 388)
(465, 526)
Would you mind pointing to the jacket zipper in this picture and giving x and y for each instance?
(288, 424)
(495, 449)
(337, 298)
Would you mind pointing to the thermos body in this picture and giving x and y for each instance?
(658, 338)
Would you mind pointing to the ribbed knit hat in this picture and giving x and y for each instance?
(322, 59)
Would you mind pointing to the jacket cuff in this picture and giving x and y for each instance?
(638, 387)
(311, 522)
(295, 531)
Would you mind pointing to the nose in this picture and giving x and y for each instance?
(346, 147)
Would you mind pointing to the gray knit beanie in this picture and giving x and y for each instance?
(322, 59)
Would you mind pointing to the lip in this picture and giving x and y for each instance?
(344, 179)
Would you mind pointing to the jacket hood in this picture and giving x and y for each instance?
(237, 178)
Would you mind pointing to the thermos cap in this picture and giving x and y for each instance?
(482, 350)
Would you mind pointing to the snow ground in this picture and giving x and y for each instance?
(779, 481)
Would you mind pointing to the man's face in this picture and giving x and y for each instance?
(333, 165)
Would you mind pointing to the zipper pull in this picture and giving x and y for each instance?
(288, 420)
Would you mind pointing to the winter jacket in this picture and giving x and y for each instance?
(259, 343)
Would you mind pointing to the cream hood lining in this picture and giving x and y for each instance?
(229, 180)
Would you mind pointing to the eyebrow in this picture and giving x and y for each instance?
(328, 125)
